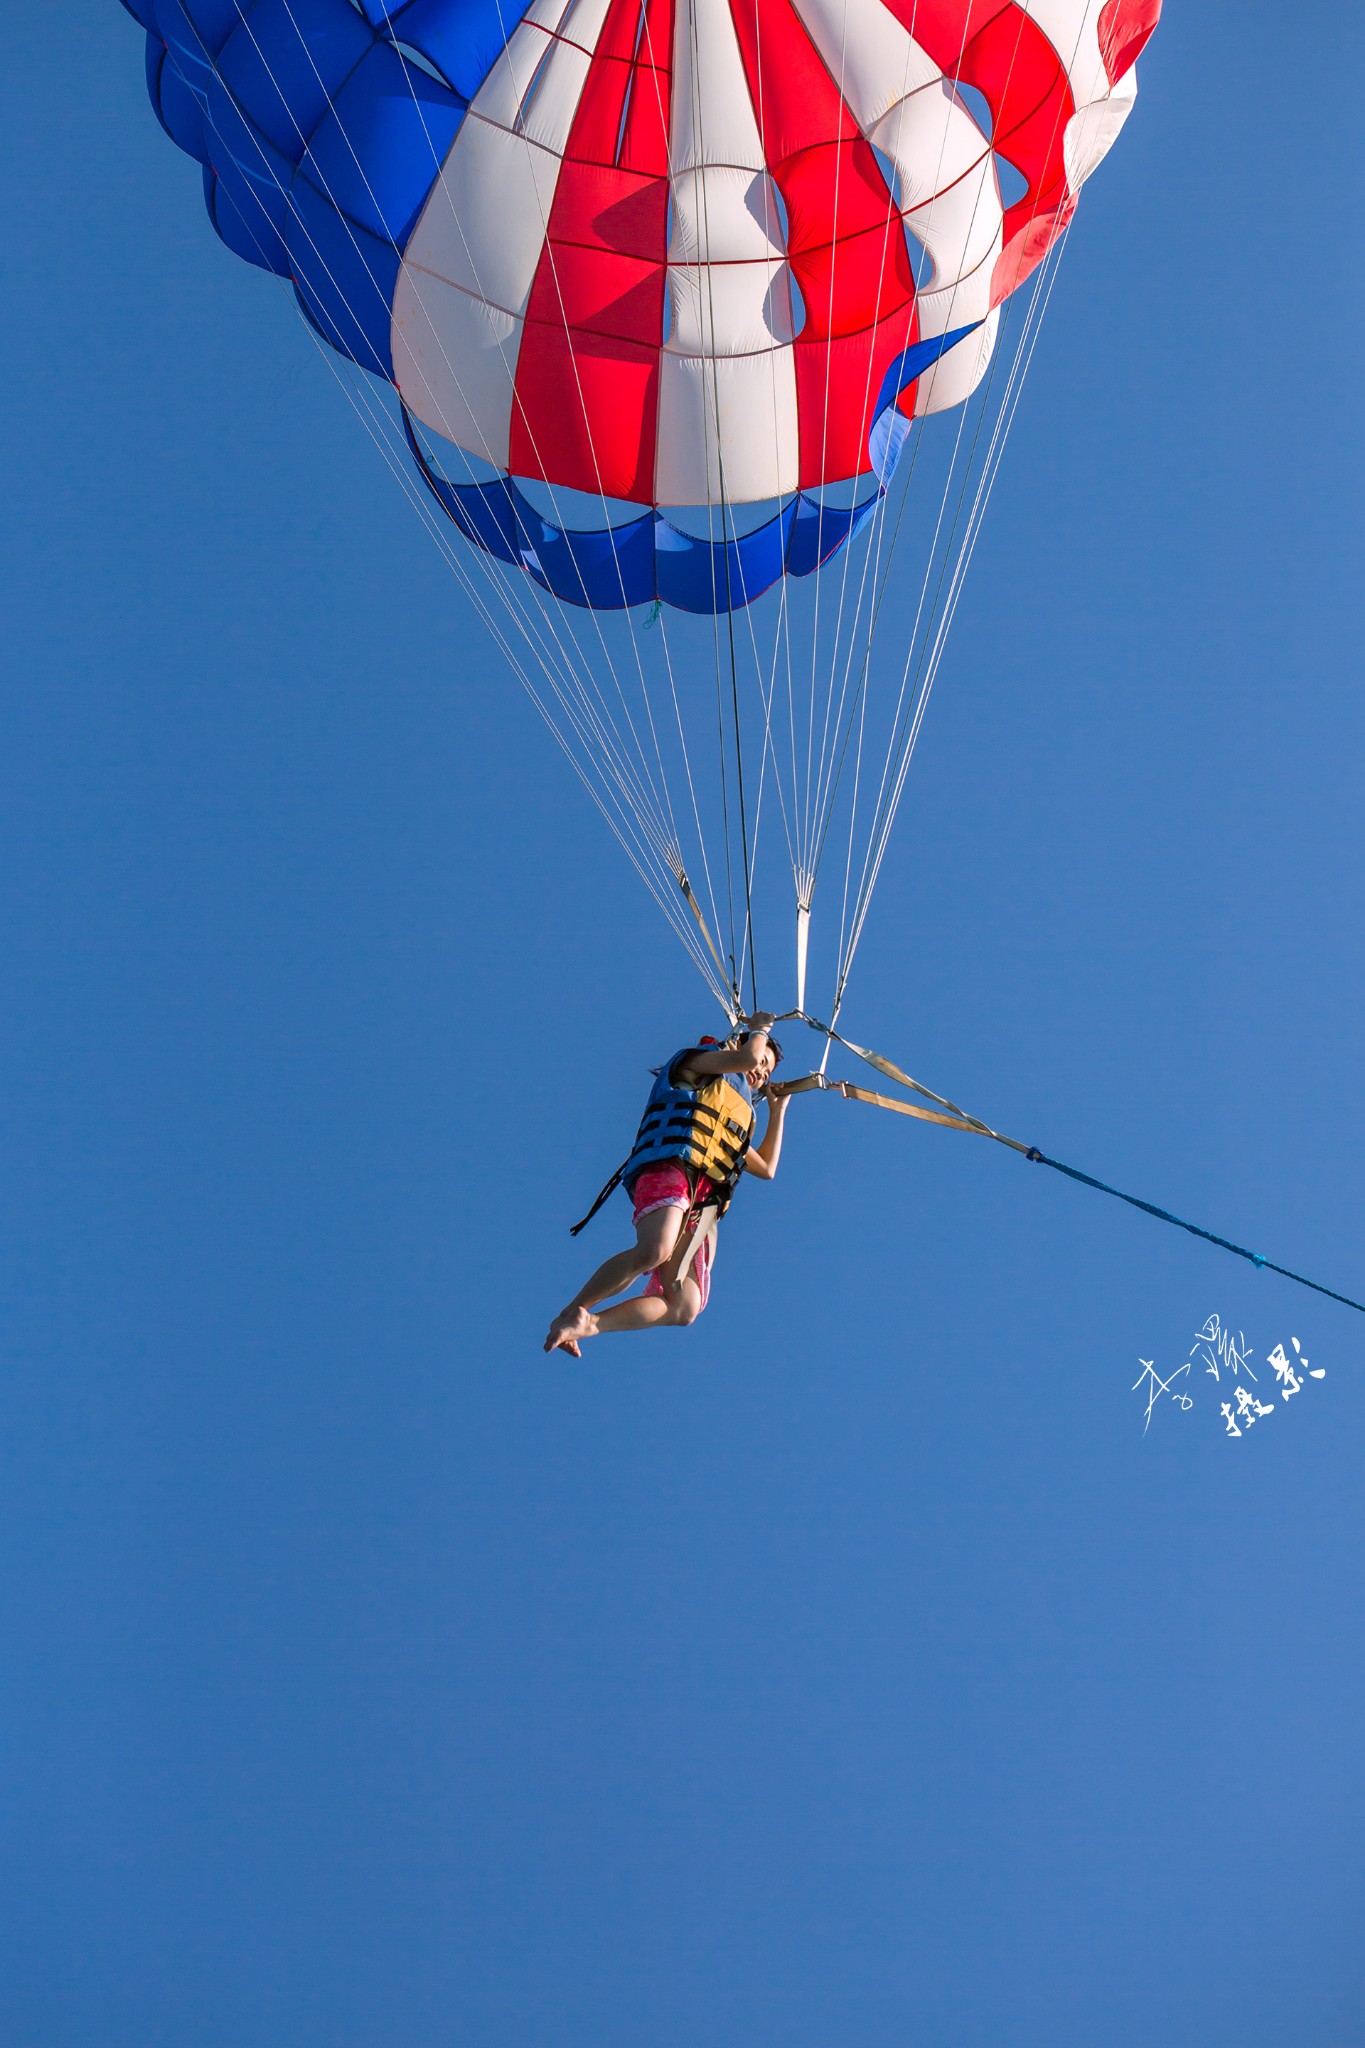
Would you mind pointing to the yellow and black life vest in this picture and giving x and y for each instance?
(706, 1128)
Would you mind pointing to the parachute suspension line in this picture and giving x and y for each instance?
(739, 774)
(691, 786)
(829, 329)
(765, 689)
(355, 157)
(1039, 300)
(915, 641)
(517, 616)
(571, 352)
(491, 575)
(727, 529)
(933, 556)
(781, 626)
(423, 507)
(725, 809)
(833, 752)
(661, 802)
(926, 647)
(666, 802)
(653, 812)
(1037, 308)
(767, 692)
(390, 452)
(696, 910)
(832, 767)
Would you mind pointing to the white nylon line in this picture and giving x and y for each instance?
(768, 740)
(987, 484)
(350, 309)
(341, 127)
(402, 473)
(781, 513)
(883, 811)
(930, 623)
(862, 694)
(824, 793)
(620, 829)
(289, 198)
(899, 781)
(687, 765)
(765, 700)
(665, 122)
(824, 433)
(815, 821)
(548, 246)
(954, 596)
(782, 622)
(985, 487)
(736, 962)
(932, 558)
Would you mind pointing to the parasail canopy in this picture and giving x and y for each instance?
(663, 290)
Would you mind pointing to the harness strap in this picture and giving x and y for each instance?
(696, 910)
(609, 1189)
(932, 1116)
(707, 1217)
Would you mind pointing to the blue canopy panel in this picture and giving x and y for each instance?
(650, 559)
(321, 133)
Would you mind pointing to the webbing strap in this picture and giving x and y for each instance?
(882, 1065)
(609, 1189)
(696, 911)
(959, 1122)
(1031, 1152)
(708, 1216)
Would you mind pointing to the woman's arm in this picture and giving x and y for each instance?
(735, 1059)
(761, 1159)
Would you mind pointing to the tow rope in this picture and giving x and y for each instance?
(952, 1118)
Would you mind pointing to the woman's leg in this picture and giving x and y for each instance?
(680, 1306)
(655, 1238)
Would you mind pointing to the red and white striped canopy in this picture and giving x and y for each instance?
(675, 243)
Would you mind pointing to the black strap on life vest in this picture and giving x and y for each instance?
(609, 1189)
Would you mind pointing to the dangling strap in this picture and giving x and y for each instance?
(609, 1189)
(708, 1216)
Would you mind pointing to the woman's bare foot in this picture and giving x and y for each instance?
(568, 1327)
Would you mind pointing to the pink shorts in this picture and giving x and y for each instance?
(668, 1187)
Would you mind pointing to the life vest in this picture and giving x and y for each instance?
(705, 1128)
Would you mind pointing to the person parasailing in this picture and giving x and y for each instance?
(693, 1144)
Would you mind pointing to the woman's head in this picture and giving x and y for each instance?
(761, 1072)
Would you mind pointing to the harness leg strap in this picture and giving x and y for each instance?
(609, 1189)
(707, 1219)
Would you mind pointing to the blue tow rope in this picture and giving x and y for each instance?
(1165, 1216)
(949, 1114)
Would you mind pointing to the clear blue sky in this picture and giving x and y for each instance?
(850, 1669)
